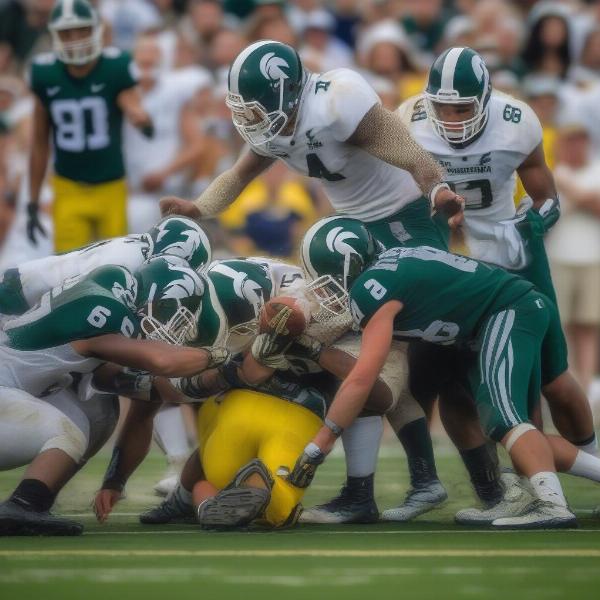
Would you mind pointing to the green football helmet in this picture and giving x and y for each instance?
(183, 237)
(265, 84)
(169, 296)
(458, 77)
(334, 252)
(75, 14)
(242, 287)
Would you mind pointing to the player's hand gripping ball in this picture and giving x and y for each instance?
(282, 316)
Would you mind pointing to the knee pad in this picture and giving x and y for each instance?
(103, 417)
(68, 438)
(254, 467)
(405, 411)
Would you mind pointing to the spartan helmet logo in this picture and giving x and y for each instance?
(270, 67)
(184, 287)
(185, 247)
(127, 293)
(336, 241)
(478, 67)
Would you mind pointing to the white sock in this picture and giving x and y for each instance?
(182, 495)
(546, 487)
(586, 465)
(170, 434)
(361, 444)
(590, 447)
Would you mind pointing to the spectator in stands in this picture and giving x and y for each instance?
(271, 215)
(574, 246)
(424, 22)
(548, 47)
(158, 166)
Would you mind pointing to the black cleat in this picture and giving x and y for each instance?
(348, 507)
(170, 510)
(15, 519)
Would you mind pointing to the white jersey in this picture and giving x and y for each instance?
(39, 372)
(44, 274)
(483, 172)
(282, 274)
(357, 184)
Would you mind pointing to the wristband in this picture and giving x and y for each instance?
(435, 189)
(334, 427)
(113, 480)
(313, 451)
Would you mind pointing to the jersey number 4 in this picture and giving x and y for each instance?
(317, 169)
(81, 124)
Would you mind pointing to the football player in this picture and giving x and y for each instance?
(22, 287)
(76, 328)
(81, 93)
(484, 139)
(443, 298)
(332, 126)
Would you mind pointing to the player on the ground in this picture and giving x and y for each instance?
(23, 286)
(75, 329)
(332, 126)
(81, 93)
(484, 139)
(443, 298)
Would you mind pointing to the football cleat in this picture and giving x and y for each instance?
(233, 507)
(18, 520)
(349, 507)
(516, 500)
(171, 510)
(539, 515)
(417, 502)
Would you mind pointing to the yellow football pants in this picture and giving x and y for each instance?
(85, 213)
(243, 425)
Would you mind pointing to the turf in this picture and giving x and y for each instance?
(429, 558)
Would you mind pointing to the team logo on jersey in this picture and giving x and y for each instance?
(312, 143)
(97, 87)
(336, 241)
(52, 91)
(485, 158)
(271, 67)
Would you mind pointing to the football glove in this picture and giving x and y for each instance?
(306, 466)
(34, 225)
(268, 349)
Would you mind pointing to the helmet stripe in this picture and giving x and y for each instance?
(236, 66)
(68, 9)
(449, 68)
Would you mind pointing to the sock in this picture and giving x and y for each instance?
(361, 444)
(546, 487)
(183, 496)
(170, 434)
(361, 488)
(33, 494)
(415, 439)
(586, 465)
(482, 465)
(590, 445)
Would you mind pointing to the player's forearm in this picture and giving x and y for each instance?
(220, 194)
(384, 135)
(132, 445)
(38, 163)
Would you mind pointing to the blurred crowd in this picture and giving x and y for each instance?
(547, 53)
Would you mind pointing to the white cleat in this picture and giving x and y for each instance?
(516, 500)
(167, 485)
(540, 515)
(417, 502)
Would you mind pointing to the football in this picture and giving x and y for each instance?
(296, 324)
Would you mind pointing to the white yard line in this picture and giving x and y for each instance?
(316, 552)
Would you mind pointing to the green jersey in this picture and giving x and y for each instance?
(85, 119)
(82, 307)
(445, 297)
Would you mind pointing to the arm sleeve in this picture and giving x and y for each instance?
(350, 99)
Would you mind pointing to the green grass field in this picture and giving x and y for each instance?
(429, 558)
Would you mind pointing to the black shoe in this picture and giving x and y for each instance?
(348, 507)
(170, 510)
(15, 519)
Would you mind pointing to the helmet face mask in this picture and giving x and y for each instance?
(69, 23)
(170, 295)
(457, 95)
(334, 252)
(265, 86)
